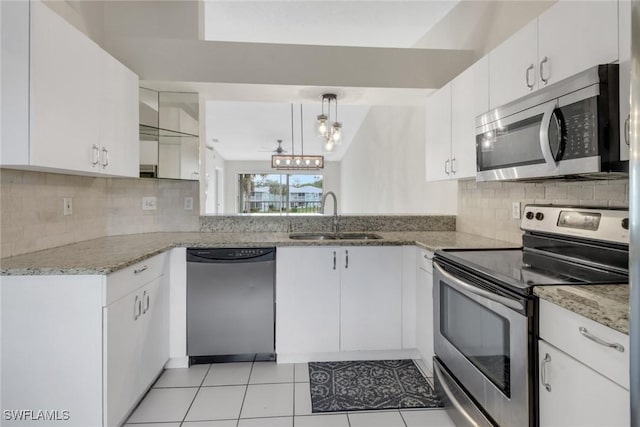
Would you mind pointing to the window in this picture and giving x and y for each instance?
(280, 194)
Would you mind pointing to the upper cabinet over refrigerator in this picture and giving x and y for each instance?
(67, 105)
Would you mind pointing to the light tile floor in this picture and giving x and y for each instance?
(260, 394)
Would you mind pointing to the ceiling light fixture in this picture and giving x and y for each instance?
(331, 133)
(293, 161)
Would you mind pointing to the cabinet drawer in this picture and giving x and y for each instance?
(561, 328)
(425, 259)
(131, 278)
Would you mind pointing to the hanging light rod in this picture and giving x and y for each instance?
(300, 161)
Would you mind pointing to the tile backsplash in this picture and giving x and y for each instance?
(31, 208)
(484, 208)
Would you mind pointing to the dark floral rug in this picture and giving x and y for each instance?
(369, 384)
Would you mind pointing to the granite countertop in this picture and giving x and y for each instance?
(108, 254)
(605, 304)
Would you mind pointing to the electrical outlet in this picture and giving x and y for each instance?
(515, 210)
(188, 203)
(149, 203)
(67, 206)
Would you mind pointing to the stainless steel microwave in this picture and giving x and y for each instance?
(569, 129)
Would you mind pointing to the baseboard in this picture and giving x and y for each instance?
(411, 353)
(177, 362)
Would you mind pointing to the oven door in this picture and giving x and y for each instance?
(556, 138)
(482, 339)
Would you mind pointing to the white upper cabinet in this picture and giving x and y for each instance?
(72, 107)
(569, 37)
(438, 134)
(450, 124)
(469, 99)
(513, 70)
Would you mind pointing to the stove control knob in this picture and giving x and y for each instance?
(625, 223)
(539, 216)
(529, 215)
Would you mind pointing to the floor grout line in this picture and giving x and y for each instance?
(195, 395)
(246, 390)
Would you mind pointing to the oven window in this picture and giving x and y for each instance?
(481, 335)
(516, 144)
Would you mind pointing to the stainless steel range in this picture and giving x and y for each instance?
(485, 313)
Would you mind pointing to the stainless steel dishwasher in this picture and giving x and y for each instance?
(230, 304)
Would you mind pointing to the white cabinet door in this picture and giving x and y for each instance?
(424, 314)
(513, 66)
(578, 396)
(371, 313)
(576, 35)
(154, 334)
(624, 26)
(119, 136)
(65, 95)
(438, 134)
(307, 300)
(469, 99)
(122, 356)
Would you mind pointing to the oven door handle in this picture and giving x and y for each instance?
(447, 391)
(478, 291)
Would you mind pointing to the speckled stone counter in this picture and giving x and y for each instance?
(108, 254)
(605, 304)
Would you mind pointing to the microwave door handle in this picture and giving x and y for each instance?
(478, 291)
(545, 146)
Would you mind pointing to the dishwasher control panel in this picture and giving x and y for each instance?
(229, 254)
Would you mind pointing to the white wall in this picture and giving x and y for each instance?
(384, 169)
(232, 169)
(212, 161)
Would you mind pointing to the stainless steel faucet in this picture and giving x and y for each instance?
(336, 219)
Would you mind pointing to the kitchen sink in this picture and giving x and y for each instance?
(334, 236)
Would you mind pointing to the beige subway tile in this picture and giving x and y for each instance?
(502, 214)
(10, 176)
(616, 191)
(555, 193)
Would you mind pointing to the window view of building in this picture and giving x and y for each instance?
(280, 193)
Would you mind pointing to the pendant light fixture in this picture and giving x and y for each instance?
(330, 133)
(293, 161)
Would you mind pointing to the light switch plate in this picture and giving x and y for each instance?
(188, 203)
(515, 210)
(149, 203)
(67, 206)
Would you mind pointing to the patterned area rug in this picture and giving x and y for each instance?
(368, 384)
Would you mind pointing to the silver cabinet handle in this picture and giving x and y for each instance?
(427, 257)
(627, 130)
(137, 308)
(145, 297)
(105, 158)
(583, 331)
(140, 270)
(545, 59)
(543, 371)
(478, 291)
(96, 155)
(346, 259)
(526, 76)
(453, 163)
(446, 164)
(334, 260)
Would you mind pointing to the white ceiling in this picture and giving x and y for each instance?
(250, 130)
(393, 23)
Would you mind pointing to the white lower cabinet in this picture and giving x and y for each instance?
(583, 381)
(136, 342)
(87, 344)
(332, 299)
(424, 307)
(577, 395)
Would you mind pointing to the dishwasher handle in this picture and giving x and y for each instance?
(231, 255)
